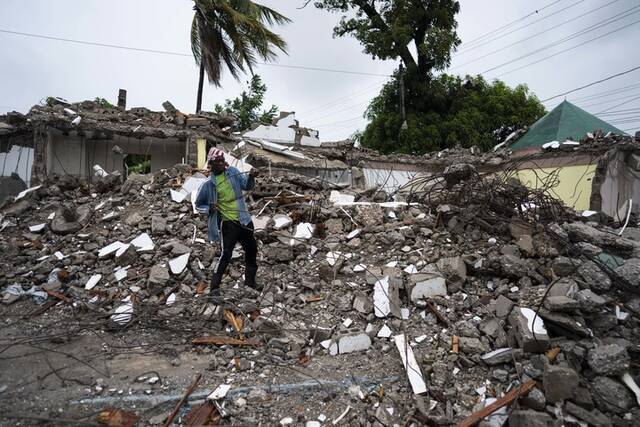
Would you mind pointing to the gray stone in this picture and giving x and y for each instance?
(612, 396)
(564, 287)
(512, 250)
(559, 383)
(593, 418)
(561, 303)
(511, 266)
(133, 219)
(429, 288)
(534, 400)
(594, 277)
(611, 359)
(197, 121)
(362, 303)
(472, 345)
(529, 342)
(503, 306)
(525, 244)
(630, 271)
(500, 375)
(158, 225)
(563, 266)
(454, 269)
(159, 275)
(350, 343)
(588, 249)
(580, 232)
(589, 301)
(465, 328)
(178, 248)
(128, 257)
(529, 418)
(563, 324)
(334, 226)
(491, 327)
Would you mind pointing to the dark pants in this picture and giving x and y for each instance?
(232, 232)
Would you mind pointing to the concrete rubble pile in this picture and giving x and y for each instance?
(374, 312)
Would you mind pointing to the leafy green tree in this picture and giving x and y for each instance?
(446, 112)
(246, 108)
(387, 29)
(232, 33)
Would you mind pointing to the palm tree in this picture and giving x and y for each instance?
(232, 33)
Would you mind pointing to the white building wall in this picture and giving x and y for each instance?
(389, 179)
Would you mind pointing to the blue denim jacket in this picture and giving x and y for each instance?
(208, 194)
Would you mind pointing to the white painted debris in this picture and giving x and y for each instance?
(392, 214)
(36, 228)
(259, 222)
(177, 265)
(281, 221)
(76, 121)
(59, 255)
(322, 418)
(304, 230)
(122, 249)
(143, 242)
(536, 327)
(353, 234)
(153, 380)
(344, 414)
(333, 257)
(120, 274)
(392, 264)
(384, 332)
(405, 313)
(177, 196)
(99, 206)
(492, 241)
(286, 421)
(629, 382)
(360, 267)
(410, 364)
(123, 313)
(70, 112)
(551, 144)
(435, 286)
(25, 192)
(326, 343)
(108, 216)
(220, 392)
(381, 302)
(347, 322)
(51, 216)
(93, 281)
(341, 199)
(193, 183)
(312, 424)
(411, 269)
(171, 299)
(420, 338)
(621, 315)
(588, 213)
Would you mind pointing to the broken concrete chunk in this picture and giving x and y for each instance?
(611, 360)
(531, 333)
(429, 288)
(630, 271)
(592, 418)
(384, 332)
(472, 346)
(594, 277)
(561, 303)
(350, 343)
(123, 313)
(559, 383)
(454, 269)
(143, 243)
(589, 301)
(503, 306)
(612, 396)
(386, 298)
(282, 221)
(362, 303)
(530, 418)
(159, 275)
(110, 249)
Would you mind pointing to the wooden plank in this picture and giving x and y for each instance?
(182, 401)
(203, 415)
(226, 341)
(514, 394)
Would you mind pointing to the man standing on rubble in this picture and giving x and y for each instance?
(229, 221)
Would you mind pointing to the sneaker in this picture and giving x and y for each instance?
(256, 287)
(215, 296)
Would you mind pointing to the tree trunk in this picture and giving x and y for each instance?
(200, 86)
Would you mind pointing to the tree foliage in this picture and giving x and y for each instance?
(233, 33)
(246, 108)
(448, 111)
(388, 28)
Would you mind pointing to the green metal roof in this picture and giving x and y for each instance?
(566, 121)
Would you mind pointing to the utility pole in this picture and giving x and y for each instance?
(403, 113)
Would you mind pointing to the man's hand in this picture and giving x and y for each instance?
(254, 172)
(213, 207)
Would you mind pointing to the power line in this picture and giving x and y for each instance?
(532, 36)
(517, 29)
(566, 50)
(622, 73)
(514, 21)
(619, 105)
(606, 22)
(165, 52)
(604, 94)
(595, 104)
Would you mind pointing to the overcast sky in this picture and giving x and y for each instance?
(32, 69)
